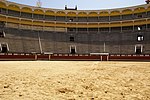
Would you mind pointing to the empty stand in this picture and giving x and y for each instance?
(26, 15)
(92, 19)
(27, 29)
(3, 11)
(50, 18)
(115, 18)
(127, 17)
(38, 16)
(104, 19)
(82, 19)
(13, 13)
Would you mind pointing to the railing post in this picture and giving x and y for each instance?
(107, 57)
(101, 58)
(35, 57)
(49, 57)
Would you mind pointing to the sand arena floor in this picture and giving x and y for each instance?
(74, 80)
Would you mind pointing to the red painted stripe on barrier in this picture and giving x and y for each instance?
(73, 57)
(17, 57)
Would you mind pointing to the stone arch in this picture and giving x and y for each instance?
(104, 13)
(82, 14)
(93, 14)
(49, 12)
(26, 9)
(126, 11)
(38, 11)
(114, 13)
(71, 14)
(13, 7)
(60, 13)
(2, 5)
(139, 10)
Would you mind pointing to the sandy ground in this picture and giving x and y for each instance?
(74, 80)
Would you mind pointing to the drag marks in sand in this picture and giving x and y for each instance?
(74, 80)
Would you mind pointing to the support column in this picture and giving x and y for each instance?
(40, 45)
(104, 47)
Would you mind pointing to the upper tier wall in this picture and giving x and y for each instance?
(79, 13)
(62, 20)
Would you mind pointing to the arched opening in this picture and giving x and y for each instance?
(50, 15)
(73, 49)
(4, 48)
(71, 17)
(26, 12)
(138, 49)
